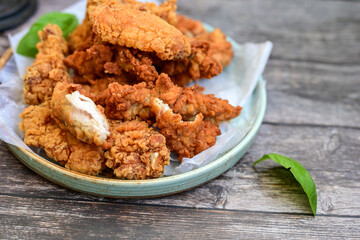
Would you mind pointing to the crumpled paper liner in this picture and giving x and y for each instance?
(236, 84)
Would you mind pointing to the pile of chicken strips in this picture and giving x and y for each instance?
(112, 98)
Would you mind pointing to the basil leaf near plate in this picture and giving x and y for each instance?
(300, 174)
(66, 21)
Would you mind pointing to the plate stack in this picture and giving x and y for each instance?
(15, 12)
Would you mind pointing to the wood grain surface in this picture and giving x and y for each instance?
(313, 115)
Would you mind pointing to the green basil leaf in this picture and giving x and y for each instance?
(66, 21)
(300, 174)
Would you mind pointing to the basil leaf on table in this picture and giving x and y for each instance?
(66, 21)
(300, 174)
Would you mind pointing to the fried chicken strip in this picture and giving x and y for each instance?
(98, 88)
(127, 103)
(101, 60)
(121, 25)
(138, 152)
(166, 10)
(48, 67)
(75, 112)
(137, 63)
(190, 101)
(131, 102)
(186, 138)
(200, 64)
(89, 64)
(42, 131)
(222, 49)
(83, 37)
(189, 27)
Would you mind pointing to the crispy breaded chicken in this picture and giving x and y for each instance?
(98, 88)
(101, 60)
(42, 131)
(48, 67)
(89, 64)
(138, 152)
(83, 37)
(221, 48)
(166, 10)
(138, 64)
(189, 27)
(200, 64)
(186, 138)
(78, 114)
(190, 101)
(127, 103)
(132, 102)
(122, 25)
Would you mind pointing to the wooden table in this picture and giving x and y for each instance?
(313, 115)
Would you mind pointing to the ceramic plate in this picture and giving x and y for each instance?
(108, 187)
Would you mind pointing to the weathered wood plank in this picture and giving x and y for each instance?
(309, 93)
(330, 155)
(320, 31)
(58, 219)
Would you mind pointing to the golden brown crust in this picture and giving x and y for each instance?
(128, 102)
(200, 64)
(191, 101)
(189, 27)
(186, 138)
(121, 25)
(221, 48)
(166, 10)
(89, 64)
(48, 67)
(138, 152)
(42, 131)
(63, 112)
(137, 63)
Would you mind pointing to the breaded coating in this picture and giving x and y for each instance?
(138, 152)
(222, 49)
(200, 64)
(98, 88)
(121, 25)
(138, 64)
(186, 138)
(127, 103)
(78, 114)
(42, 131)
(190, 101)
(189, 27)
(101, 60)
(89, 64)
(82, 37)
(166, 10)
(48, 67)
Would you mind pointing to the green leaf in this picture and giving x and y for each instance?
(66, 21)
(300, 174)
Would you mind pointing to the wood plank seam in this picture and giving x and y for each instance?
(309, 125)
(178, 207)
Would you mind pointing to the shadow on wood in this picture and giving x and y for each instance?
(284, 183)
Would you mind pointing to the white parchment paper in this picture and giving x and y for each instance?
(236, 84)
